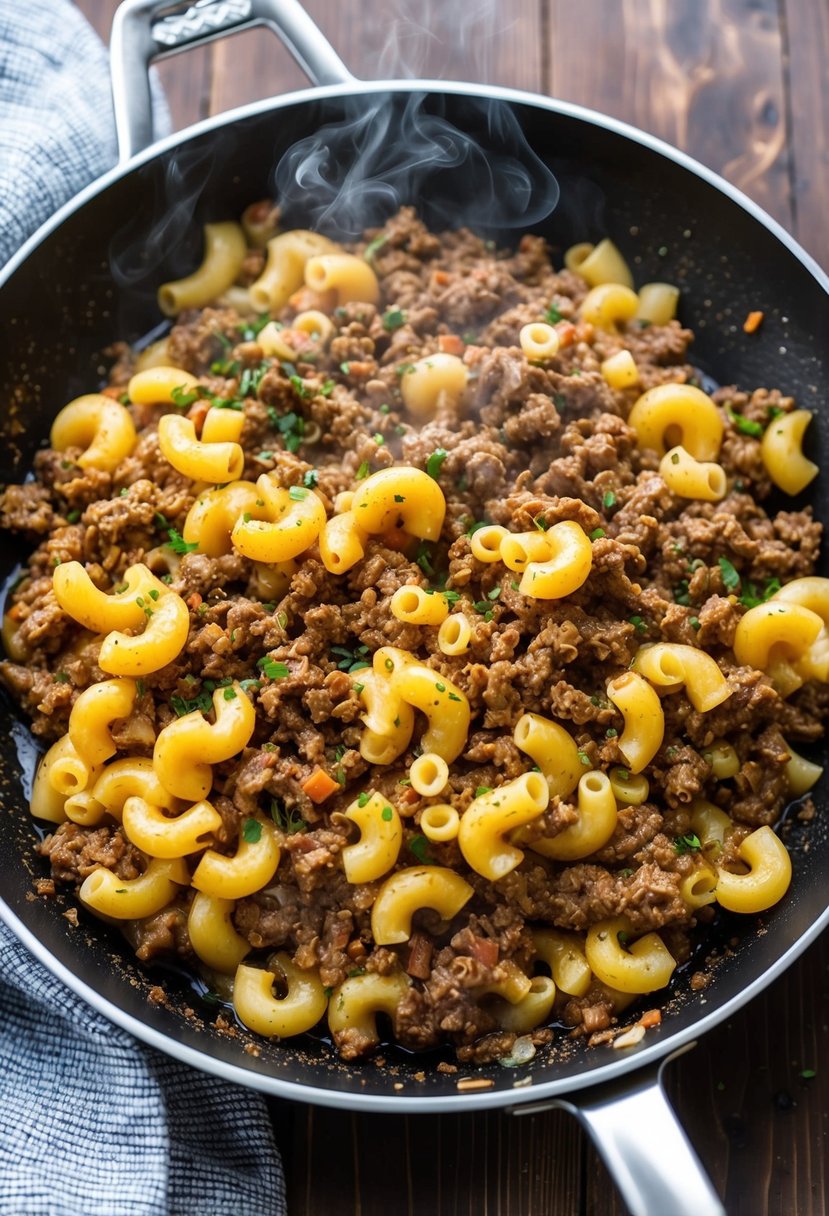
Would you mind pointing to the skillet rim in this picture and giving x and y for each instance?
(670, 1041)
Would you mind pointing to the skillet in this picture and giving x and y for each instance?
(89, 276)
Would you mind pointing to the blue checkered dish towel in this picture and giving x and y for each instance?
(92, 1122)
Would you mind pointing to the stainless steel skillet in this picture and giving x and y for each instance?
(89, 277)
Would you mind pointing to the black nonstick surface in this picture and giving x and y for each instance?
(92, 280)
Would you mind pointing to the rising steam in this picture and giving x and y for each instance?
(391, 151)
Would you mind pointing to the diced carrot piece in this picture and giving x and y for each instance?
(652, 1018)
(585, 332)
(484, 950)
(753, 322)
(193, 601)
(451, 344)
(320, 786)
(566, 333)
(441, 277)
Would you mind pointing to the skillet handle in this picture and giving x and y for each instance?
(140, 35)
(639, 1138)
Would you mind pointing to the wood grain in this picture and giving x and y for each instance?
(705, 75)
(805, 32)
(740, 84)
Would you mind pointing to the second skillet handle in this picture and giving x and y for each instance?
(638, 1136)
(141, 34)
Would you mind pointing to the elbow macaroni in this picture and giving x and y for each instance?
(782, 451)
(644, 720)
(185, 750)
(673, 415)
(99, 425)
(489, 817)
(224, 252)
(690, 478)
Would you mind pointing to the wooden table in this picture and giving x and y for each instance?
(740, 85)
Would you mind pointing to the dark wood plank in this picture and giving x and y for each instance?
(185, 78)
(376, 40)
(806, 38)
(706, 75)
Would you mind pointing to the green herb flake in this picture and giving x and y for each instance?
(289, 822)
(364, 799)
(752, 595)
(393, 319)
(345, 368)
(435, 461)
(597, 534)
(272, 668)
(73, 517)
(808, 1073)
(178, 544)
(687, 844)
(746, 425)
(186, 705)
(638, 624)
(609, 500)
(483, 789)
(585, 759)
(730, 577)
(310, 479)
(611, 732)
(552, 315)
(373, 247)
(541, 523)
(423, 558)
(230, 694)
(387, 813)
(182, 397)
(298, 493)
(418, 846)
(363, 471)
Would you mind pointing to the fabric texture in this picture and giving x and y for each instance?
(92, 1122)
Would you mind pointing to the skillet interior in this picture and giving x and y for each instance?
(62, 307)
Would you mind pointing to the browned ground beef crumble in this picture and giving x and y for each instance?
(532, 443)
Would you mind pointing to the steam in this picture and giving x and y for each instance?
(391, 151)
(161, 229)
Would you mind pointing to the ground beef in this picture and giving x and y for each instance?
(529, 446)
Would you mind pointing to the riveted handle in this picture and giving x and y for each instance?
(146, 30)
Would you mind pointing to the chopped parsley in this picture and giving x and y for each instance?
(363, 471)
(300, 387)
(597, 534)
(483, 789)
(252, 831)
(272, 668)
(435, 461)
(541, 523)
(183, 397)
(297, 493)
(423, 558)
(364, 799)
(687, 844)
(351, 660)
(418, 845)
(747, 425)
(251, 378)
(310, 479)
(292, 429)
(178, 544)
(730, 577)
(73, 517)
(695, 623)
(609, 500)
(186, 705)
(393, 319)
(287, 821)
(251, 329)
(373, 247)
(387, 814)
(585, 759)
(752, 596)
(638, 624)
(552, 315)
